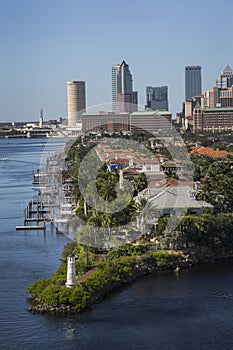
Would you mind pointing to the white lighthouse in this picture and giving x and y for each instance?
(121, 179)
(41, 118)
(71, 271)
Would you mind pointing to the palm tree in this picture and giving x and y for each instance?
(144, 211)
(107, 191)
(140, 182)
(107, 220)
(171, 174)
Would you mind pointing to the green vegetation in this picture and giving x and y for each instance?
(107, 185)
(53, 295)
(125, 263)
(210, 231)
(52, 291)
(121, 265)
(206, 139)
(220, 140)
(217, 179)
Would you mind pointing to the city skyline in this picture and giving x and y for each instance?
(46, 44)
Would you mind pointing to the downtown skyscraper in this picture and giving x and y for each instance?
(226, 78)
(76, 101)
(193, 81)
(124, 99)
(157, 98)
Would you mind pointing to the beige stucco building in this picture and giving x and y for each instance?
(76, 101)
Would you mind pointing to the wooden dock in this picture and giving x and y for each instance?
(30, 227)
(34, 213)
(43, 211)
(34, 219)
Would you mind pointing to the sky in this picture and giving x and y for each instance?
(45, 43)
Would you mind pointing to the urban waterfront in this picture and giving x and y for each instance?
(189, 310)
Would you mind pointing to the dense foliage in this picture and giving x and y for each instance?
(53, 292)
(211, 231)
(107, 185)
(220, 140)
(217, 179)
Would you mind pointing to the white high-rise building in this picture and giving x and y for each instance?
(76, 101)
(115, 71)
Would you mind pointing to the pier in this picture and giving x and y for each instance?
(34, 207)
(54, 198)
(31, 227)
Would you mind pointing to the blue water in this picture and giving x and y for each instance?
(191, 310)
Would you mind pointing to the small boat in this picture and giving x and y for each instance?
(177, 269)
(4, 159)
(39, 188)
(39, 178)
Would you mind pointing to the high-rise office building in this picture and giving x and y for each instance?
(124, 99)
(226, 78)
(193, 81)
(134, 101)
(76, 100)
(157, 98)
(115, 71)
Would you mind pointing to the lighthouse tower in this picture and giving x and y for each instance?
(41, 118)
(71, 271)
(121, 179)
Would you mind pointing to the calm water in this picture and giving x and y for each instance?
(192, 310)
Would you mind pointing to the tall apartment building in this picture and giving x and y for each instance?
(193, 81)
(226, 78)
(124, 99)
(76, 101)
(157, 98)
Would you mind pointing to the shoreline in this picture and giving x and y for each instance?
(142, 267)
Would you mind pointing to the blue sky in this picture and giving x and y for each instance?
(44, 43)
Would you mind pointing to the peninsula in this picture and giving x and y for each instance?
(203, 235)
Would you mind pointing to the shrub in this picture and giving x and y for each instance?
(161, 257)
(51, 294)
(38, 287)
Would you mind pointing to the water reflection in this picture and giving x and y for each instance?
(69, 329)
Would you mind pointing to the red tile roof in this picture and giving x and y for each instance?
(199, 151)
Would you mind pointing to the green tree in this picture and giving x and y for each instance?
(140, 182)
